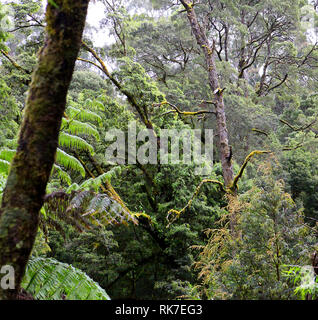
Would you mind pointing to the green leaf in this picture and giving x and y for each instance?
(64, 176)
(69, 162)
(83, 115)
(7, 154)
(4, 166)
(70, 141)
(49, 279)
(77, 127)
(53, 3)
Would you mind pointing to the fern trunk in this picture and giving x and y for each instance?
(38, 138)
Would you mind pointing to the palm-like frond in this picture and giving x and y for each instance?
(85, 209)
(49, 279)
(83, 115)
(73, 187)
(74, 142)
(4, 166)
(95, 183)
(64, 176)
(77, 127)
(69, 161)
(7, 154)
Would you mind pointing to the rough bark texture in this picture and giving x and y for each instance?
(38, 138)
(222, 132)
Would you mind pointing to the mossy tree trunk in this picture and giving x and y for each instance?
(208, 49)
(38, 138)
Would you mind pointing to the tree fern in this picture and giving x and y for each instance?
(49, 279)
(74, 142)
(95, 104)
(83, 114)
(67, 138)
(84, 209)
(69, 161)
(95, 183)
(73, 187)
(64, 176)
(77, 127)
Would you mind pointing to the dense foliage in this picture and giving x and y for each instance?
(122, 225)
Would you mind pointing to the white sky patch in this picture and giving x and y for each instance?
(94, 16)
(95, 13)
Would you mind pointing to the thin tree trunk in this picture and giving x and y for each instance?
(201, 38)
(38, 138)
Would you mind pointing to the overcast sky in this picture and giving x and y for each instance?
(94, 16)
(101, 37)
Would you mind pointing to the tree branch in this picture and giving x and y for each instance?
(241, 171)
(177, 213)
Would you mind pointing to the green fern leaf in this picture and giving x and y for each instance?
(69, 162)
(98, 105)
(76, 127)
(49, 279)
(94, 208)
(83, 115)
(97, 182)
(70, 141)
(64, 176)
(7, 154)
(73, 187)
(4, 166)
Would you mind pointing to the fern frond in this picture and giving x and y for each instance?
(98, 105)
(77, 127)
(64, 176)
(7, 154)
(83, 115)
(49, 279)
(69, 162)
(73, 187)
(87, 207)
(78, 200)
(70, 141)
(98, 181)
(4, 166)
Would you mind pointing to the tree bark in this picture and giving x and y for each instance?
(38, 137)
(222, 131)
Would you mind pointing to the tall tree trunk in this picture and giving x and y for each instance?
(38, 138)
(202, 40)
